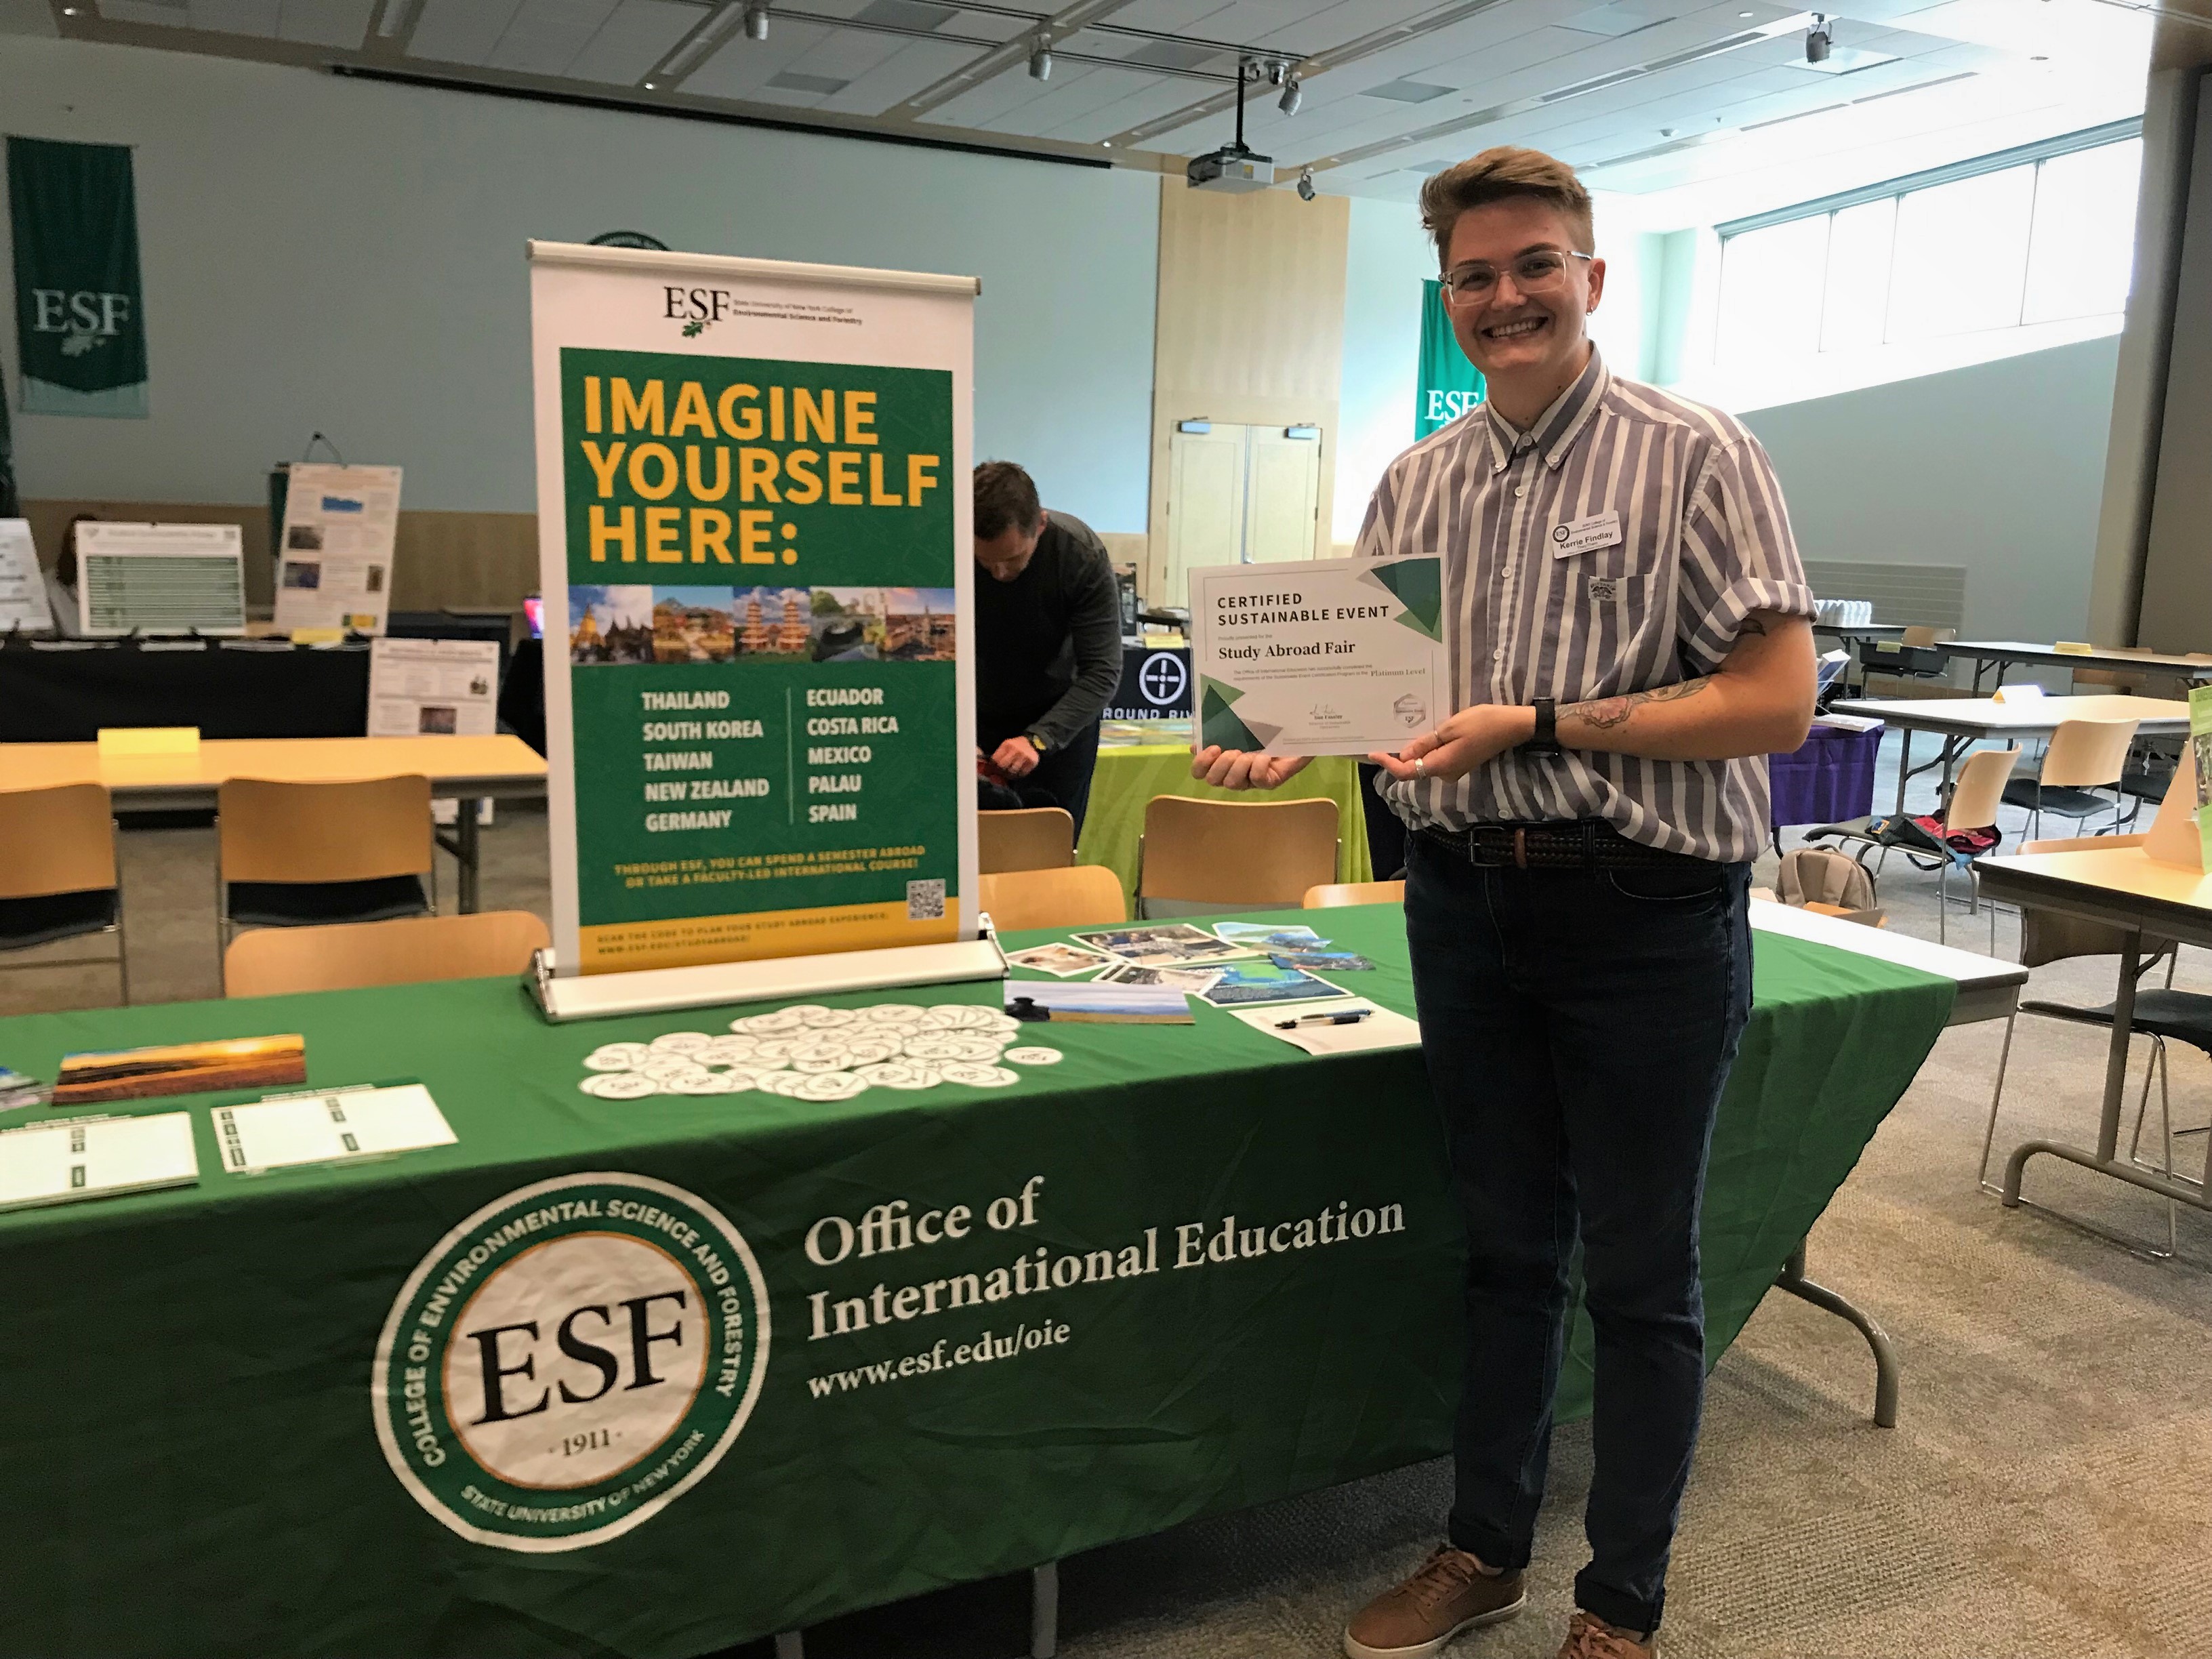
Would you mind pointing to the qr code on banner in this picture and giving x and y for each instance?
(925, 900)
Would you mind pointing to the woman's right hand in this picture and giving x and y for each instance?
(1237, 769)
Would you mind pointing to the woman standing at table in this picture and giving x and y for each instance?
(1628, 632)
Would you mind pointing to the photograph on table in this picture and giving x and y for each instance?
(609, 624)
(1090, 1002)
(1270, 935)
(184, 1069)
(1162, 944)
(1061, 960)
(1327, 962)
(1244, 984)
(1191, 980)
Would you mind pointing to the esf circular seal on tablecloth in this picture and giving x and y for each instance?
(569, 1360)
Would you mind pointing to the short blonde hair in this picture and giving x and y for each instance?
(1500, 176)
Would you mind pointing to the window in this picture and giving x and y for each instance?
(2039, 236)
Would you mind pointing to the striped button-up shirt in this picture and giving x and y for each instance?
(1616, 546)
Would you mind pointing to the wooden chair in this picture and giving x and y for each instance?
(1203, 857)
(1030, 838)
(1973, 805)
(270, 961)
(300, 854)
(57, 876)
(2083, 755)
(1331, 894)
(1081, 895)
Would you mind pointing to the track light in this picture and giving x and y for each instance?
(1276, 72)
(1818, 39)
(1041, 60)
(756, 22)
(1293, 95)
(1305, 185)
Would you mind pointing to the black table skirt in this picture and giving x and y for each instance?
(67, 695)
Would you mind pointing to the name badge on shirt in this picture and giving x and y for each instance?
(1580, 535)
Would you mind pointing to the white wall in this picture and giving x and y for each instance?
(1387, 256)
(1999, 467)
(341, 255)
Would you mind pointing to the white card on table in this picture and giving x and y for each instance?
(1381, 1029)
(76, 1158)
(1319, 656)
(329, 1129)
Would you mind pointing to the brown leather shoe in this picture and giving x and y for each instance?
(1589, 1636)
(1449, 1595)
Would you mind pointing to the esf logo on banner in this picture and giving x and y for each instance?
(1155, 686)
(569, 1360)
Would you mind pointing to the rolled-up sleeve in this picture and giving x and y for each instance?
(1738, 553)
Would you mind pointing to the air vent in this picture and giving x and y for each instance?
(1172, 55)
(791, 81)
(1409, 92)
(905, 14)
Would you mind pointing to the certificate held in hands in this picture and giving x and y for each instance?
(1319, 656)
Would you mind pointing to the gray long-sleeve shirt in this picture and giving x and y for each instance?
(1048, 643)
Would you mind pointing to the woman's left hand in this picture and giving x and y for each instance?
(1462, 743)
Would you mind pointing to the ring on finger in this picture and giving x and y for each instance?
(1420, 766)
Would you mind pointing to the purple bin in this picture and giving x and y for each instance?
(1828, 780)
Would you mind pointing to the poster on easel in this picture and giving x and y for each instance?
(334, 549)
(23, 605)
(754, 533)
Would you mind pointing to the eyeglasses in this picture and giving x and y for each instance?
(1536, 272)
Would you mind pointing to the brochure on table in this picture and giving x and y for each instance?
(160, 579)
(22, 586)
(334, 556)
(433, 688)
(754, 519)
(1319, 656)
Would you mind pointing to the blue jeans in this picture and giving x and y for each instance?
(1579, 1026)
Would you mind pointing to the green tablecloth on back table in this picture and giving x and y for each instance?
(1130, 776)
(188, 1447)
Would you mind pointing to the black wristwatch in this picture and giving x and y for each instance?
(1544, 742)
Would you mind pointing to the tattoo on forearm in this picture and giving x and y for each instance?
(1606, 713)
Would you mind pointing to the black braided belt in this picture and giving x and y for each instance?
(1587, 844)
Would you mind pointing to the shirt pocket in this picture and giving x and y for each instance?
(1617, 635)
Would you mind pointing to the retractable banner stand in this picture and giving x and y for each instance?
(754, 526)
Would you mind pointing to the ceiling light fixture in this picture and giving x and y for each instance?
(1040, 59)
(1305, 185)
(1819, 38)
(756, 22)
(1293, 95)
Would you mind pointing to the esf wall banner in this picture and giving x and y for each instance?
(80, 316)
(754, 514)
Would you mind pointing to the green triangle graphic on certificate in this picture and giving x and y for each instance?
(1419, 585)
(1217, 723)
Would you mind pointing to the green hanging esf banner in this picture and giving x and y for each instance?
(80, 315)
(1447, 386)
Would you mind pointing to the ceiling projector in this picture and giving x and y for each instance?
(1231, 167)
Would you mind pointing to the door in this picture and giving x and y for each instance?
(1282, 494)
(1206, 504)
(1239, 494)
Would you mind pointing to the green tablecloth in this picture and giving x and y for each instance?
(189, 1456)
(1129, 776)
